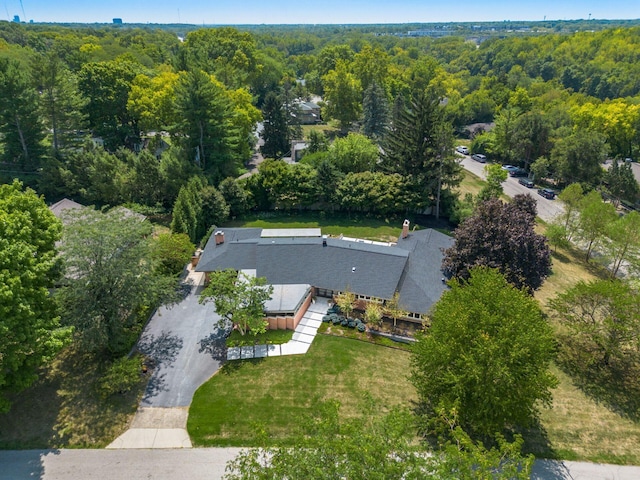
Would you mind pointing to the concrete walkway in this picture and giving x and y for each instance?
(302, 337)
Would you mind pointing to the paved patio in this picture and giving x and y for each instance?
(302, 337)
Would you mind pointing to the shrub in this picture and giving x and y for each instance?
(335, 319)
(351, 323)
(326, 318)
(361, 327)
(344, 322)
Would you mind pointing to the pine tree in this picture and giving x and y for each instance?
(276, 131)
(375, 112)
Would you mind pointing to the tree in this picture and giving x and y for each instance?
(354, 153)
(603, 318)
(493, 188)
(206, 123)
(110, 284)
(578, 156)
(501, 236)
(621, 182)
(187, 210)
(21, 131)
(379, 447)
(235, 196)
(486, 356)
(214, 208)
(419, 147)
(239, 299)
(394, 309)
(594, 219)
(572, 197)
(171, 252)
(30, 332)
(373, 313)
(343, 96)
(346, 301)
(60, 101)
(106, 87)
(276, 130)
(375, 112)
(622, 242)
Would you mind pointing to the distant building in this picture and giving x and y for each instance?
(16, 18)
(307, 113)
(117, 21)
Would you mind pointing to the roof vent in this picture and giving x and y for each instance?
(353, 269)
(324, 242)
(219, 236)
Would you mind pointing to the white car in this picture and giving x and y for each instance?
(462, 149)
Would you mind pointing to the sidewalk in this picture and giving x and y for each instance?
(303, 336)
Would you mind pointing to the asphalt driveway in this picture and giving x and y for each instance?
(187, 348)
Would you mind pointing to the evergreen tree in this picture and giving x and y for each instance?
(206, 123)
(60, 101)
(276, 131)
(620, 182)
(21, 130)
(419, 147)
(375, 112)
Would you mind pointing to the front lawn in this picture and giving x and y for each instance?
(270, 337)
(272, 393)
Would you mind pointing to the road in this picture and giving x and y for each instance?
(547, 209)
(209, 464)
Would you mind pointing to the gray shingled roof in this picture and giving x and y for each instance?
(421, 285)
(412, 267)
(295, 260)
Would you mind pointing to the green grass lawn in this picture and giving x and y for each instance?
(273, 393)
(270, 337)
(350, 226)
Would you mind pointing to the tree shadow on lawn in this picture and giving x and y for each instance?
(233, 366)
(616, 385)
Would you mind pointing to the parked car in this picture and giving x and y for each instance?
(526, 182)
(547, 193)
(518, 172)
(478, 157)
(509, 168)
(462, 149)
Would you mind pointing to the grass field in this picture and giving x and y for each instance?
(273, 393)
(350, 226)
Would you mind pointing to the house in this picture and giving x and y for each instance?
(325, 266)
(59, 208)
(307, 113)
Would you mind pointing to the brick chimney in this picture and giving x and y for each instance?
(405, 228)
(219, 235)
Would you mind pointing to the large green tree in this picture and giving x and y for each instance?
(106, 87)
(276, 129)
(603, 318)
(60, 101)
(110, 285)
(419, 147)
(30, 332)
(343, 96)
(21, 131)
(594, 220)
(375, 112)
(205, 124)
(485, 356)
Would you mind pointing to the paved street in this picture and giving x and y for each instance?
(547, 209)
(209, 464)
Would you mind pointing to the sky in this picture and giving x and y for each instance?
(227, 12)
